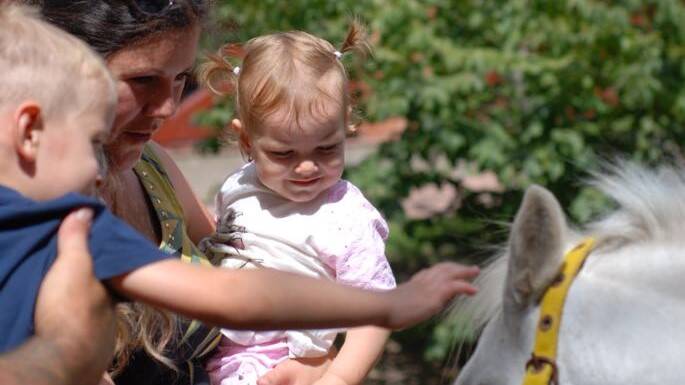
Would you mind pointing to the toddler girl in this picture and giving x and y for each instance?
(288, 208)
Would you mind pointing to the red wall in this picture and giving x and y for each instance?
(179, 130)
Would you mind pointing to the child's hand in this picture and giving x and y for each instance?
(301, 371)
(429, 291)
(330, 379)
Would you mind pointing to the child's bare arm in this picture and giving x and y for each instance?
(269, 299)
(358, 355)
(300, 371)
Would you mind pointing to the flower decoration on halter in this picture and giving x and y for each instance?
(338, 55)
(236, 71)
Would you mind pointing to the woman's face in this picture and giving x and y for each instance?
(150, 78)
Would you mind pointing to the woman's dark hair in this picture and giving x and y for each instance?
(110, 25)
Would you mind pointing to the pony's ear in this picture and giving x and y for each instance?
(535, 247)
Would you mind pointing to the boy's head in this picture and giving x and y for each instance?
(293, 107)
(56, 107)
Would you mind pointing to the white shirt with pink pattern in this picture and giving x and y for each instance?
(338, 236)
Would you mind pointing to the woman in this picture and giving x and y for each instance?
(150, 47)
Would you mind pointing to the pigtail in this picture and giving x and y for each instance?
(221, 77)
(356, 40)
(217, 73)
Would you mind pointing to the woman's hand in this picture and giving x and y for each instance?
(302, 371)
(74, 319)
(73, 306)
(74, 309)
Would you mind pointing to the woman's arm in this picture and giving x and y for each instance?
(37, 361)
(357, 356)
(268, 299)
(199, 223)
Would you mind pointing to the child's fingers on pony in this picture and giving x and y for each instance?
(429, 291)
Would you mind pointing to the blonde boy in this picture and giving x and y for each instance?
(57, 101)
(56, 92)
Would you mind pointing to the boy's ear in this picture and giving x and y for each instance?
(28, 129)
(243, 138)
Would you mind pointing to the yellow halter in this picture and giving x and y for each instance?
(541, 369)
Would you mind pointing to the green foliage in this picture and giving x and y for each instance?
(535, 91)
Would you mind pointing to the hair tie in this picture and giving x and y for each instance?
(236, 71)
(338, 54)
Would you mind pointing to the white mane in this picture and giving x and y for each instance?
(650, 207)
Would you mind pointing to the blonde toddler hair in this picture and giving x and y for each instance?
(293, 70)
(43, 63)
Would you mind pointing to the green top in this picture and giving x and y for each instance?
(169, 211)
(175, 239)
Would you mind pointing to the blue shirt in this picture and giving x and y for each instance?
(28, 246)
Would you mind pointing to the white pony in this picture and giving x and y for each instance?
(624, 318)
